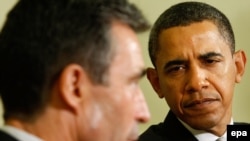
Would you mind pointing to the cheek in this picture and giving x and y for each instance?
(224, 86)
(172, 93)
(123, 114)
(122, 103)
(224, 81)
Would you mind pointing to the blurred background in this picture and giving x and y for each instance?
(238, 13)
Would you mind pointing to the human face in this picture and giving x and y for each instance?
(196, 74)
(119, 106)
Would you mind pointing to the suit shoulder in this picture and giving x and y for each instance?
(153, 133)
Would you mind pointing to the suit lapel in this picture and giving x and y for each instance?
(5, 137)
(174, 130)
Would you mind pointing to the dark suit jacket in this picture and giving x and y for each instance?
(171, 130)
(6, 137)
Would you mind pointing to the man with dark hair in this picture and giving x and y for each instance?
(192, 48)
(70, 71)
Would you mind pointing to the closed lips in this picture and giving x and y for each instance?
(201, 101)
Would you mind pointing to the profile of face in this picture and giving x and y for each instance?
(114, 110)
(196, 74)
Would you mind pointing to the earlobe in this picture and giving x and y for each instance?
(71, 81)
(240, 62)
(154, 80)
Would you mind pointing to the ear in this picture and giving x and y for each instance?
(73, 86)
(240, 62)
(154, 80)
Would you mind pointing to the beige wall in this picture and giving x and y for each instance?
(237, 11)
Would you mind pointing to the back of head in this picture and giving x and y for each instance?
(184, 14)
(41, 37)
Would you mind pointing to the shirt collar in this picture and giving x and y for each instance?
(19, 134)
(202, 135)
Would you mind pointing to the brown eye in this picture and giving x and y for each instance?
(176, 69)
(211, 61)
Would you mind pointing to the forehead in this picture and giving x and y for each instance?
(127, 49)
(200, 37)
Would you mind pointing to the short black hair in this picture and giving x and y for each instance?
(41, 37)
(184, 14)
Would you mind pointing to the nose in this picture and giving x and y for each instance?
(196, 79)
(142, 113)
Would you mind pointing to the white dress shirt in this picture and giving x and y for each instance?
(202, 135)
(19, 134)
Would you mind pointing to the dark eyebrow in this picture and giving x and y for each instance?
(209, 55)
(182, 61)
